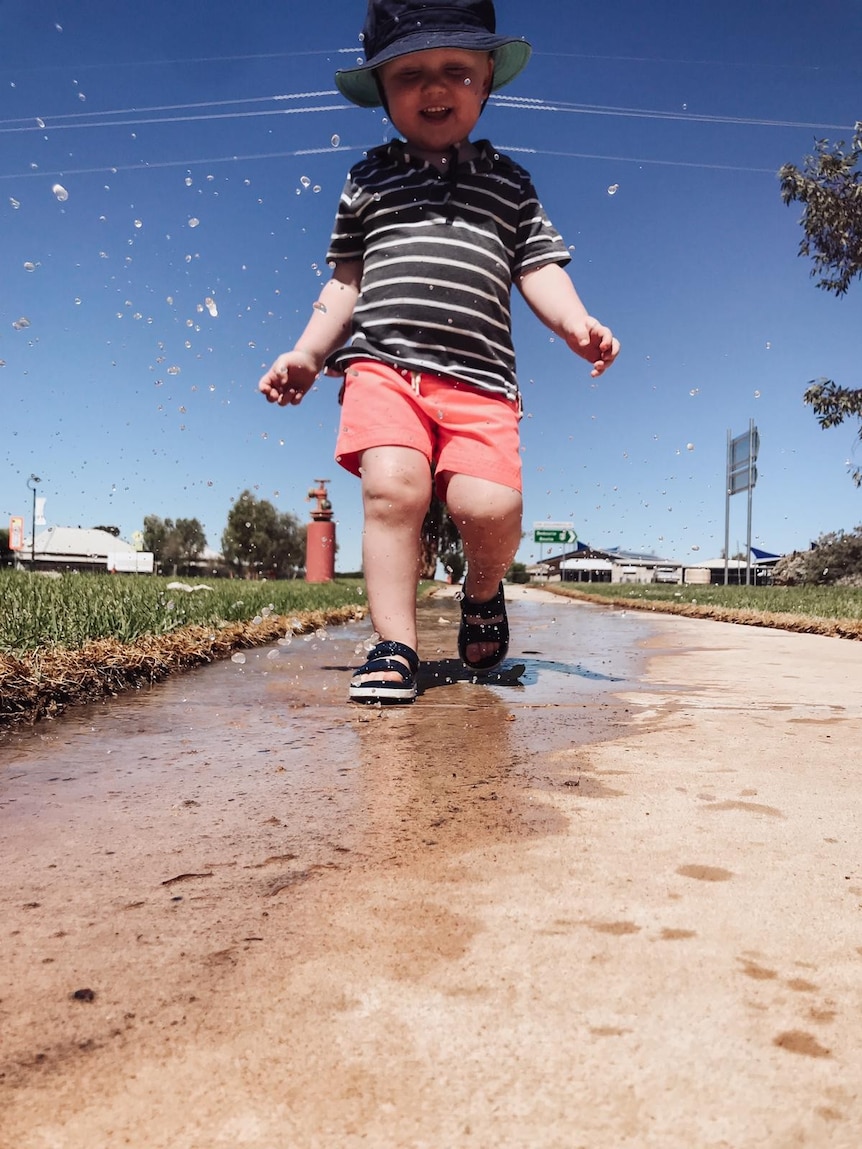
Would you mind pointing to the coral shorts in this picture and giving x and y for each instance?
(460, 429)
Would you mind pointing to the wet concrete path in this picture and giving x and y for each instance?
(582, 904)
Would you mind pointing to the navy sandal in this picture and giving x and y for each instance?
(484, 631)
(384, 690)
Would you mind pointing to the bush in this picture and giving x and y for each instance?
(835, 559)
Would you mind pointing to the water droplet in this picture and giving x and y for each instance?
(210, 305)
(335, 140)
(238, 658)
(689, 446)
(194, 222)
(40, 123)
(272, 655)
(188, 181)
(316, 188)
(173, 371)
(613, 189)
(768, 345)
(467, 82)
(305, 181)
(756, 394)
(21, 324)
(14, 203)
(60, 192)
(139, 223)
(318, 306)
(694, 391)
(28, 266)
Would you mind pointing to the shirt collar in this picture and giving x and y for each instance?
(398, 154)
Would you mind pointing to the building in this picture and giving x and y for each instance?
(614, 565)
(80, 549)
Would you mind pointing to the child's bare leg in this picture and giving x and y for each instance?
(488, 515)
(396, 491)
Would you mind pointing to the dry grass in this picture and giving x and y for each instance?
(42, 683)
(802, 624)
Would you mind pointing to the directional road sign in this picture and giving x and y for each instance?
(554, 533)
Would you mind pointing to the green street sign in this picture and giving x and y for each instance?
(554, 533)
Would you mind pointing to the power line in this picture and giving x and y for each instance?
(157, 164)
(354, 51)
(49, 121)
(506, 148)
(638, 160)
(185, 119)
(517, 103)
(526, 103)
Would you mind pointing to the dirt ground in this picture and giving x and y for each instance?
(610, 898)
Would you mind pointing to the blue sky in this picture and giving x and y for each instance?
(200, 151)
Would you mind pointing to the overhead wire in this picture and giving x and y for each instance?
(206, 111)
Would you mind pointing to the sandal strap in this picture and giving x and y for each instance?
(378, 665)
(486, 631)
(388, 647)
(488, 609)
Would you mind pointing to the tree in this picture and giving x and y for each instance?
(440, 540)
(174, 544)
(261, 541)
(115, 531)
(835, 558)
(5, 553)
(830, 187)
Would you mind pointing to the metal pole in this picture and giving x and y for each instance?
(750, 485)
(727, 507)
(35, 480)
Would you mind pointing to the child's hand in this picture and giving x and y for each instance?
(595, 343)
(290, 376)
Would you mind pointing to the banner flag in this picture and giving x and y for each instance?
(40, 512)
(16, 533)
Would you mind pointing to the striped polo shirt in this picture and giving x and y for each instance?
(440, 252)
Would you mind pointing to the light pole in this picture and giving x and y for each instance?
(34, 479)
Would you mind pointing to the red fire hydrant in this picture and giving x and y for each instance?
(320, 537)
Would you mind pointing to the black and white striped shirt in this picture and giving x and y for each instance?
(439, 254)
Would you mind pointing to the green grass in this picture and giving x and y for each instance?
(38, 612)
(824, 602)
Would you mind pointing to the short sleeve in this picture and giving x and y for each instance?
(348, 237)
(538, 241)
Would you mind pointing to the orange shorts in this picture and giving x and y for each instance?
(459, 429)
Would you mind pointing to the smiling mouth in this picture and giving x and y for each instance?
(435, 113)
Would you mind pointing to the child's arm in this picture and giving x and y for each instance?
(293, 373)
(552, 297)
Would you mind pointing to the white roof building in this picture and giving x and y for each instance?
(82, 549)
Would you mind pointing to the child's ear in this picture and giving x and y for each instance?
(489, 77)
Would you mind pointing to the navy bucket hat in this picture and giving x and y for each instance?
(395, 28)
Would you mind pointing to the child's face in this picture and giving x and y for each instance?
(435, 97)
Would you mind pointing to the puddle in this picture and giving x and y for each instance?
(151, 841)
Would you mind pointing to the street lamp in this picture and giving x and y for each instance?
(34, 479)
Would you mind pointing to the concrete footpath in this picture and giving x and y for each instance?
(610, 899)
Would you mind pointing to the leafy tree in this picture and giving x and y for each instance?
(258, 540)
(829, 185)
(440, 540)
(174, 544)
(5, 552)
(835, 558)
(187, 542)
(517, 573)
